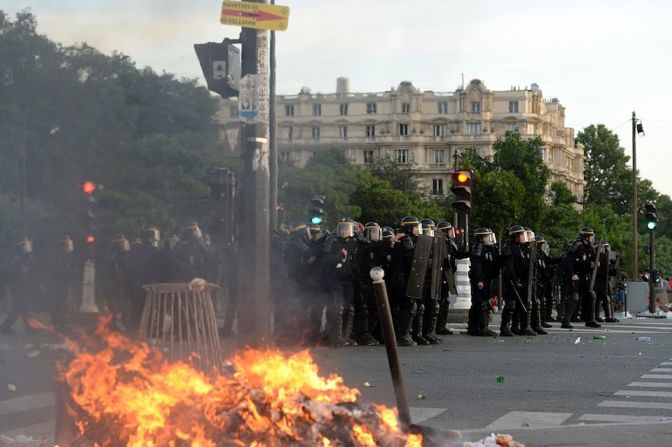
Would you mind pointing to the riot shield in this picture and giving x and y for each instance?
(439, 254)
(531, 283)
(594, 275)
(416, 278)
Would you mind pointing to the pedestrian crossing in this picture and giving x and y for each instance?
(653, 404)
(31, 415)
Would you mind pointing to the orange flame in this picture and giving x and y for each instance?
(125, 393)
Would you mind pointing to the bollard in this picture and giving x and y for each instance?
(385, 316)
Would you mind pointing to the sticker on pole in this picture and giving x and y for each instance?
(254, 15)
(253, 99)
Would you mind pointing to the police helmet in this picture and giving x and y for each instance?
(428, 226)
(485, 235)
(388, 232)
(345, 228)
(518, 233)
(372, 231)
(411, 225)
(446, 228)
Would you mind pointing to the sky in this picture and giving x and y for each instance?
(601, 59)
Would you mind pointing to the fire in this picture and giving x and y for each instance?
(122, 392)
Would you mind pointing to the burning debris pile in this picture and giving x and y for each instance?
(122, 392)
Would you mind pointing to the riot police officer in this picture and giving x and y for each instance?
(485, 265)
(449, 284)
(194, 256)
(516, 271)
(603, 290)
(115, 278)
(22, 285)
(402, 260)
(544, 275)
(61, 276)
(579, 263)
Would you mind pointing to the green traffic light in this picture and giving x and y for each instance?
(651, 225)
(316, 220)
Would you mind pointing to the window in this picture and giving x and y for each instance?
(289, 109)
(532, 129)
(403, 130)
(317, 109)
(371, 107)
(405, 107)
(343, 108)
(401, 156)
(290, 132)
(474, 128)
(513, 106)
(511, 127)
(437, 187)
(440, 130)
(443, 107)
(370, 131)
(368, 156)
(439, 157)
(475, 107)
(284, 156)
(343, 132)
(316, 132)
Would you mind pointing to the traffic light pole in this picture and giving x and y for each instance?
(255, 305)
(652, 270)
(635, 267)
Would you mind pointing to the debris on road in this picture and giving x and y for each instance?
(599, 337)
(500, 379)
(367, 385)
(422, 396)
(11, 387)
(495, 441)
(32, 354)
(23, 441)
(577, 341)
(644, 339)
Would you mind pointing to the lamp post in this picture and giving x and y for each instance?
(637, 128)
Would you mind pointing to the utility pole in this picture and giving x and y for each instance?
(635, 268)
(273, 137)
(254, 311)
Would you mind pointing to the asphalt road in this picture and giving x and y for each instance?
(558, 390)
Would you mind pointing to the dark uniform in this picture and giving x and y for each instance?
(516, 260)
(449, 284)
(116, 275)
(579, 262)
(61, 274)
(545, 273)
(485, 265)
(194, 256)
(22, 285)
(603, 291)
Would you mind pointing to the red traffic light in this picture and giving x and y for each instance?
(89, 188)
(90, 239)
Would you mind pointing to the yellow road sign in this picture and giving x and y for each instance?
(255, 15)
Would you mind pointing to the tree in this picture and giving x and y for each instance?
(607, 176)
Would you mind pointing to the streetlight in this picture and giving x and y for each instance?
(637, 128)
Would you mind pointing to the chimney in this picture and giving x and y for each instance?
(342, 86)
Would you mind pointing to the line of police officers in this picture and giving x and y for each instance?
(328, 274)
(45, 282)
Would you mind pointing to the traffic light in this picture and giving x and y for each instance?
(462, 191)
(650, 216)
(89, 189)
(220, 63)
(316, 210)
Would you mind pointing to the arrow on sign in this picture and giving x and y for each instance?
(260, 16)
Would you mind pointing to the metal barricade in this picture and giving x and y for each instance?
(180, 319)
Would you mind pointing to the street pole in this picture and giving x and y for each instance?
(652, 267)
(273, 136)
(255, 305)
(635, 268)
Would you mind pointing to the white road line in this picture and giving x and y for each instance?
(662, 370)
(516, 419)
(656, 376)
(419, 414)
(622, 418)
(635, 404)
(666, 363)
(651, 384)
(40, 430)
(643, 393)
(25, 403)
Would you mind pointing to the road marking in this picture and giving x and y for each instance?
(623, 418)
(419, 414)
(25, 403)
(651, 384)
(40, 430)
(666, 363)
(635, 404)
(656, 376)
(662, 370)
(643, 393)
(518, 419)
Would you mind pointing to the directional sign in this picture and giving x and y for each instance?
(255, 15)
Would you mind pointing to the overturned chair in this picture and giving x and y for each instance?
(179, 318)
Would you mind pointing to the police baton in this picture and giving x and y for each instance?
(520, 300)
(385, 317)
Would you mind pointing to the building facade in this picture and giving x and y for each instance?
(425, 129)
